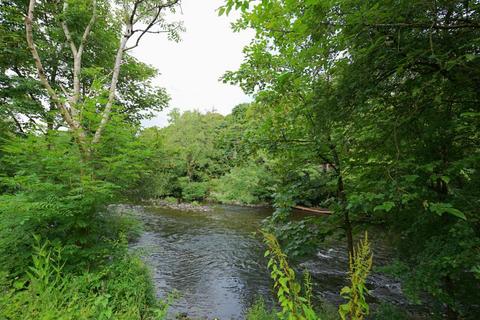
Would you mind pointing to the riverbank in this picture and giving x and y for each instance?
(176, 204)
(103, 280)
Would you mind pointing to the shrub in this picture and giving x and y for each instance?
(121, 290)
(123, 225)
(162, 184)
(194, 191)
(243, 185)
(170, 200)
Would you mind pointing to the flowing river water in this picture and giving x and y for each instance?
(216, 263)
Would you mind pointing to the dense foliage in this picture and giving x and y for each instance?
(369, 108)
(201, 157)
(69, 148)
(385, 93)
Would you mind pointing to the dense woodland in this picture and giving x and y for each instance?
(368, 108)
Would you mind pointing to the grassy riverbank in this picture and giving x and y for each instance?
(49, 279)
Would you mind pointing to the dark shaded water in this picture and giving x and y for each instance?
(218, 267)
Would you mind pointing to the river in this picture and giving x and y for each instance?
(216, 263)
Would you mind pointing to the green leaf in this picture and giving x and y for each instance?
(386, 206)
(469, 57)
(441, 208)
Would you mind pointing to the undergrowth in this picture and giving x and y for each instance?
(119, 290)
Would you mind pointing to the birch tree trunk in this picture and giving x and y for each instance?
(113, 85)
(69, 104)
(67, 114)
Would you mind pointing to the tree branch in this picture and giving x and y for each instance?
(66, 31)
(88, 29)
(67, 117)
(119, 57)
(17, 123)
(113, 84)
(425, 25)
(152, 23)
(77, 53)
(154, 20)
(148, 31)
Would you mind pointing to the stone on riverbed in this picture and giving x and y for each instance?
(183, 206)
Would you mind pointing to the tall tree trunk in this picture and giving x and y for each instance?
(342, 198)
(72, 123)
(450, 313)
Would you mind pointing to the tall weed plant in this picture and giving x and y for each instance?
(295, 303)
(360, 265)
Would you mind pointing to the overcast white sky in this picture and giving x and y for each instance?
(190, 69)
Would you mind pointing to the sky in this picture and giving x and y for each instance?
(190, 69)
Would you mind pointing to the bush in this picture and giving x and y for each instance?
(170, 200)
(242, 185)
(194, 191)
(123, 225)
(120, 290)
(162, 184)
(61, 213)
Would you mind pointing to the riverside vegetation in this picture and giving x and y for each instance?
(369, 108)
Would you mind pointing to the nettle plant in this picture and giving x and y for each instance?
(296, 300)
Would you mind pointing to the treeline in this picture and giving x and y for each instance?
(209, 157)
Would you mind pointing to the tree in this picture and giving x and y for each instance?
(284, 68)
(133, 14)
(387, 93)
(191, 137)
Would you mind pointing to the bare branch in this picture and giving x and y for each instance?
(134, 11)
(37, 126)
(153, 22)
(128, 32)
(150, 25)
(149, 31)
(63, 90)
(17, 123)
